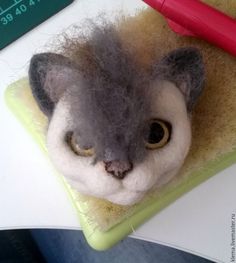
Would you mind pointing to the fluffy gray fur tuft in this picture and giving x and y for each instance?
(111, 104)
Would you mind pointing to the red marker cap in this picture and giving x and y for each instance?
(195, 18)
(156, 4)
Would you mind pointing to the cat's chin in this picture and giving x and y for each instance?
(124, 196)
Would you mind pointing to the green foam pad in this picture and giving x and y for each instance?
(103, 223)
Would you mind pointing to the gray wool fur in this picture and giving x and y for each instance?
(185, 68)
(109, 95)
(113, 100)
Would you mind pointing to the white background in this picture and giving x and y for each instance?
(32, 196)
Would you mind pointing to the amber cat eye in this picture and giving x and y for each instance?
(72, 142)
(159, 134)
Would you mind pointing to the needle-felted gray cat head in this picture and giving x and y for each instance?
(115, 130)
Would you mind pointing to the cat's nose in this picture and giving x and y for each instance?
(118, 169)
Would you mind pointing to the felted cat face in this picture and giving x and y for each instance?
(116, 131)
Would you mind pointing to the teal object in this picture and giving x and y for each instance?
(20, 16)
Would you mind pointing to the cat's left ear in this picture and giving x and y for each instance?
(50, 75)
(184, 67)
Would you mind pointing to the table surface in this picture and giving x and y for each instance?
(31, 195)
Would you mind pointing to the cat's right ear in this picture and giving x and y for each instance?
(185, 68)
(50, 75)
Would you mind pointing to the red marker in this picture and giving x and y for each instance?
(194, 18)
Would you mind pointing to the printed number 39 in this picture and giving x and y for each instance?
(5, 20)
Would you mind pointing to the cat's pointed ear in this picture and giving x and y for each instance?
(50, 75)
(184, 67)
